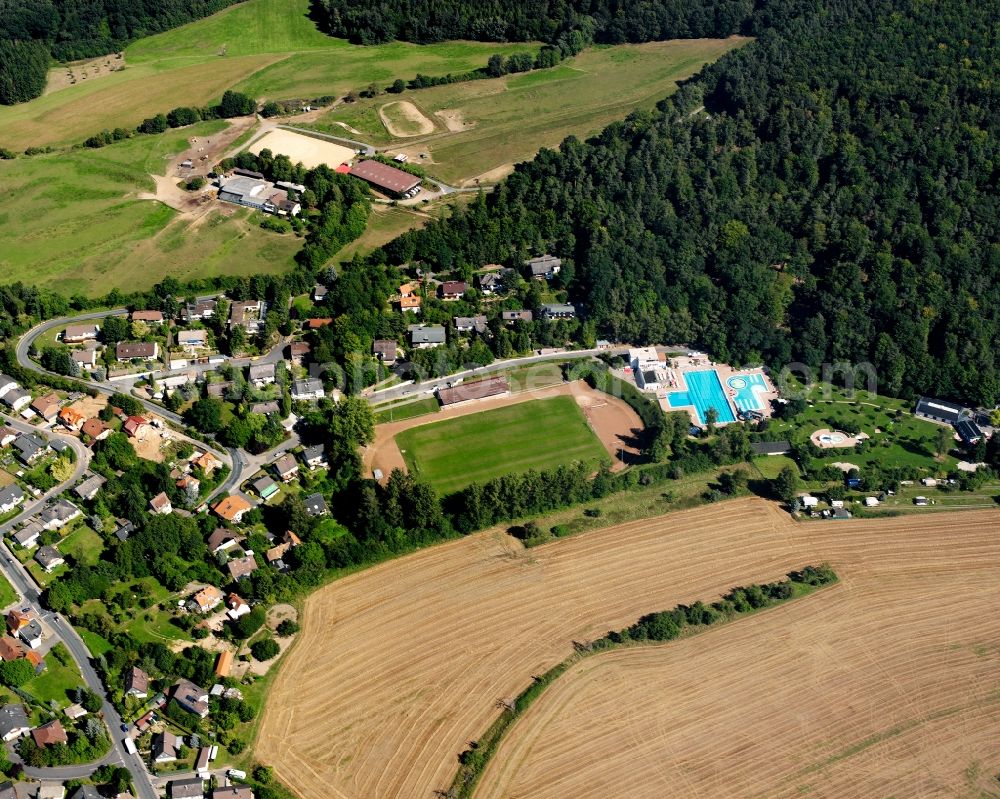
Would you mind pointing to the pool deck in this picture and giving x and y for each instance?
(684, 364)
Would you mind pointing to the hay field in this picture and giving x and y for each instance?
(309, 150)
(538, 434)
(404, 663)
(489, 125)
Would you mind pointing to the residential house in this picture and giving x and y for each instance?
(314, 457)
(222, 539)
(940, 410)
(13, 722)
(29, 448)
(410, 304)
(136, 427)
(59, 514)
(85, 358)
(192, 340)
(51, 733)
(95, 429)
(88, 489)
(191, 697)
(77, 334)
(491, 283)
(453, 289)
(137, 683)
(241, 568)
(265, 408)
(16, 619)
(166, 747)
(205, 600)
(316, 505)
(198, 311)
(286, 467)
(190, 486)
(58, 446)
(385, 351)
(85, 792)
(7, 383)
(50, 791)
(262, 374)
(205, 461)
(237, 606)
(48, 406)
(275, 556)
(160, 504)
(248, 314)
(136, 350)
(233, 792)
(36, 660)
(298, 352)
(232, 508)
(71, 419)
(31, 634)
(27, 536)
(467, 324)
(205, 753)
(265, 487)
(319, 292)
(7, 436)
(10, 497)
(509, 317)
(559, 311)
(49, 558)
(544, 267)
(426, 336)
(311, 388)
(123, 529)
(191, 788)
(149, 317)
(969, 432)
(10, 649)
(16, 399)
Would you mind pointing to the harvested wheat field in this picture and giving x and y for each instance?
(403, 664)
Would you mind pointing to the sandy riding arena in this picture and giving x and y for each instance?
(889, 677)
(612, 420)
(835, 439)
(402, 119)
(298, 147)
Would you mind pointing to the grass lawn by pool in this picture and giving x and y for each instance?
(538, 434)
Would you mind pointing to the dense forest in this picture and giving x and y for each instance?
(32, 31)
(606, 21)
(826, 194)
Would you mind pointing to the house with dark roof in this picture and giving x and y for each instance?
(136, 350)
(123, 529)
(16, 399)
(166, 747)
(10, 497)
(385, 351)
(191, 788)
(467, 324)
(48, 558)
(191, 697)
(314, 457)
(316, 505)
(96, 429)
(59, 514)
(559, 310)
(149, 317)
(222, 539)
(522, 315)
(771, 447)
(265, 487)
(7, 383)
(88, 488)
(261, 374)
(286, 467)
(198, 311)
(968, 431)
(298, 351)
(939, 410)
(453, 289)
(13, 722)
(473, 390)
(136, 683)
(544, 267)
(311, 388)
(426, 336)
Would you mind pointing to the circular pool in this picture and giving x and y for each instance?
(737, 382)
(833, 438)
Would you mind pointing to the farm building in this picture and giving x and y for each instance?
(386, 178)
(476, 390)
(939, 410)
(258, 194)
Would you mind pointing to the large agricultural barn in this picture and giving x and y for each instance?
(386, 178)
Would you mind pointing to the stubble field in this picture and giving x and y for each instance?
(885, 684)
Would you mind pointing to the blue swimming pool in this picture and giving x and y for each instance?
(748, 389)
(704, 391)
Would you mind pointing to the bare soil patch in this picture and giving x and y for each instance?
(613, 421)
(90, 406)
(454, 119)
(490, 177)
(805, 695)
(403, 119)
(298, 147)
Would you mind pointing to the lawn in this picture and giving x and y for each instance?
(55, 683)
(78, 227)
(83, 545)
(97, 644)
(539, 434)
(268, 48)
(497, 123)
(159, 629)
(7, 594)
(406, 410)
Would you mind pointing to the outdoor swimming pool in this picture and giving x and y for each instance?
(704, 391)
(747, 388)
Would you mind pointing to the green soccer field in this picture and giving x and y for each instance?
(540, 434)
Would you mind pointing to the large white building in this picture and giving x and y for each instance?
(259, 194)
(649, 370)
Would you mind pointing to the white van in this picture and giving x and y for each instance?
(129, 745)
(236, 774)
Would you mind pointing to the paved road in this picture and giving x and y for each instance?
(226, 455)
(25, 586)
(430, 386)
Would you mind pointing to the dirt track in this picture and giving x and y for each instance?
(401, 665)
(611, 419)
